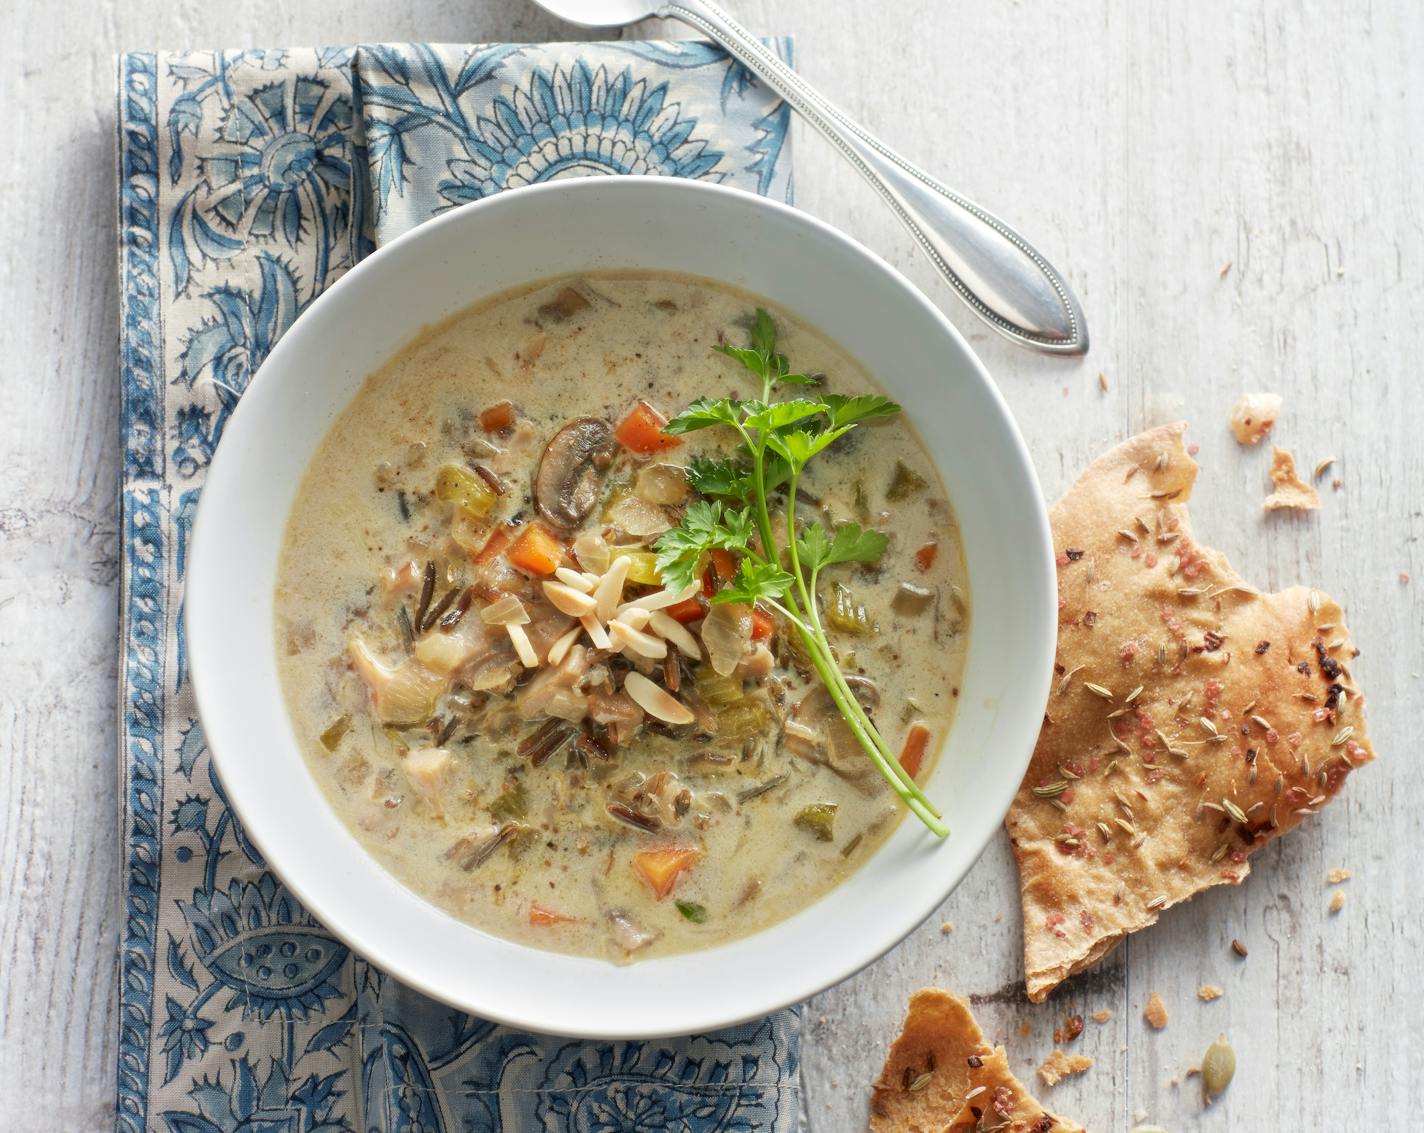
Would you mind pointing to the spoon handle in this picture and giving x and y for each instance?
(1002, 278)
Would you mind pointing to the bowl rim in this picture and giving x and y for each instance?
(205, 659)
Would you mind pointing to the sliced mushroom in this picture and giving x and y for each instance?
(571, 471)
(840, 751)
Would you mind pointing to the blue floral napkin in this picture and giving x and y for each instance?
(249, 181)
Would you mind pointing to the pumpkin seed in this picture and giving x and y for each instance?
(1217, 1069)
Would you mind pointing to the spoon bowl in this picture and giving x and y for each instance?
(1003, 279)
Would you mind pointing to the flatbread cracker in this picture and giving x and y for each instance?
(1290, 491)
(1193, 720)
(970, 1087)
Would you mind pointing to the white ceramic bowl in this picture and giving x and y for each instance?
(803, 266)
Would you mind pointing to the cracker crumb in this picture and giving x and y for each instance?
(1102, 381)
(946, 928)
(1253, 416)
(1335, 483)
(1337, 901)
(1238, 948)
(1058, 1066)
(1155, 1012)
(998, 917)
(1337, 875)
(1290, 491)
(1226, 270)
(1207, 992)
(1102, 1016)
(1404, 578)
(1024, 1030)
(1193, 449)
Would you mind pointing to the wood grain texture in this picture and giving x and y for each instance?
(1143, 146)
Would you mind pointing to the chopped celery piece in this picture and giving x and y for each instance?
(738, 721)
(512, 804)
(716, 690)
(464, 490)
(819, 819)
(905, 483)
(692, 911)
(334, 734)
(846, 614)
(642, 566)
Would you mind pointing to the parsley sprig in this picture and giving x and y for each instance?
(778, 439)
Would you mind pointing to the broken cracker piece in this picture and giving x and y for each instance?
(967, 1078)
(1207, 992)
(1102, 1016)
(1337, 901)
(1337, 875)
(1253, 416)
(1155, 1012)
(1165, 655)
(1290, 491)
(1059, 1065)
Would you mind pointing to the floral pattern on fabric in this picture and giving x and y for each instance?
(249, 182)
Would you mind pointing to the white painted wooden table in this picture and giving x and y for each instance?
(1145, 145)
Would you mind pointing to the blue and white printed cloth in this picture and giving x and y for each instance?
(249, 181)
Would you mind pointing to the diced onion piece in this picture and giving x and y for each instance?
(643, 644)
(506, 611)
(446, 652)
(527, 657)
(569, 601)
(638, 517)
(662, 484)
(669, 627)
(655, 701)
(596, 633)
(609, 591)
(591, 550)
(559, 650)
(634, 617)
(575, 578)
(400, 694)
(725, 632)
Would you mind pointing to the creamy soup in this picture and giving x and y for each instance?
(510, 706)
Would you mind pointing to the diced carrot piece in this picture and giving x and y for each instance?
(661, 868)
(709, 583)
(498, 540)
(763, 625)
(498, 416)
(641, 431)
(724, 565)
(688, 610)
(536, 551)
(912, 755)
(925, 556)
(538, 915)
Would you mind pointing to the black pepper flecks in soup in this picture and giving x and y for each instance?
(508, 704)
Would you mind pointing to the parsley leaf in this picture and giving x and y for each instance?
(849, 410)
(706, 526)
(773, 417)
(703, 414)
(715, 476)
(849, 543)
(692, 911)
(755, 580)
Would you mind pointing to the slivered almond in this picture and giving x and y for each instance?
(656, 701)
(567, 600)
(560, 649)
(635, 618)
(522, 646)
(609, 590)
(660, 599)
(575, 578)
(665, 625)
(596, 633)
(645, 644)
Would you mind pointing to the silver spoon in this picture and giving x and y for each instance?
(995, 270)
